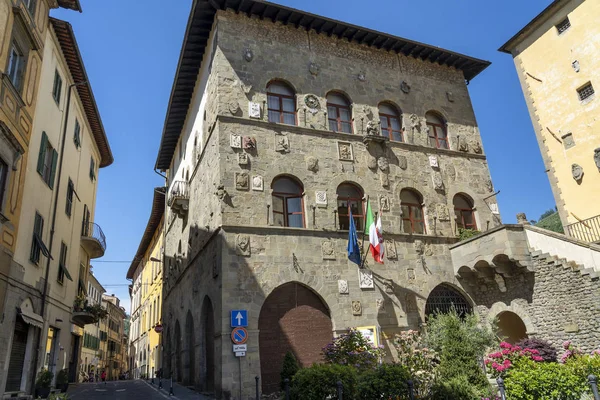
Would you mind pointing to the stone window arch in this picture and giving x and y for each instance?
(443, 298)
(391, 121)
(339, 112)
(465, 211)
(350, 197)
(281, 103)
(288, 202)
(438, 130)
(413, 217)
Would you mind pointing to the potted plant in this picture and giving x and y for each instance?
(43, 383)
(62, 380)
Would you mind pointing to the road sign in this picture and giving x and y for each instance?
(239, 335)
(240, 354)
(239, 318)
(239, 347)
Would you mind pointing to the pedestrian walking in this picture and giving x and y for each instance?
(103, 377)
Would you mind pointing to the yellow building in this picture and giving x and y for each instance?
(146, 292)
(556, 56)
(112, 331)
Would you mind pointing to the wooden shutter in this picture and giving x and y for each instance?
(53, 171)
(42, 154)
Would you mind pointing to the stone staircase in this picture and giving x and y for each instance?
(537, 255)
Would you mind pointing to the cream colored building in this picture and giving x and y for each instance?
(68, 145)
(146, 293)
(557, 60)
(90, 349)
(114, 359)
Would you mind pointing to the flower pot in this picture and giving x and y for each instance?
(42, 392)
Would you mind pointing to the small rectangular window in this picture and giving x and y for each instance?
(77, 134)
(16, 66)
(57, 88)
(585, 91)
(61, 263)
(563, 25)
(36, 242)
(3, 180)
(70, 190)
(92, 169)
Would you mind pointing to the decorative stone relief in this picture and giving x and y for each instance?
(433, 162)
(282, 144)
(522, 219)
(235, 141)
(343, 287)
(567, 140)
(242, 181)
(405, 87)
(385, 180)
(345, 151)
(402, 162)
(372, 128)
(312, 163)
(383, 164)
(451, 172)
(221, 192)
(362, 76)
(248, 54)
(312, 102)
(489, 185)
(314, 69)
(441, 210)
(321, 198)
(388, 285)
(243, 159)
(371, 162)
(243, 245)
(438, 183)
(450, 97)
(597, 157)
(356, 307)
(257, 183)
(380, 305)
(423, 249)
(365, 279)
(327, 250)
(384, 203)
(253, 110)
(410, 274)
(368, 111)
(390, 249)
(463, 145)
(249, 143)
(577, 171)
(476, 147)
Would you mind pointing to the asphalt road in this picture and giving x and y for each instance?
(117, 390)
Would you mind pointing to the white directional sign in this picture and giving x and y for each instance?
(240, 354)
(240, 347)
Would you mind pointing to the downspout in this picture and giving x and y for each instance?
(52, 228)
(162, 295)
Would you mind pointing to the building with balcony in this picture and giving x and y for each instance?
(58, 236)
(556, 57)
(90, 357)
(115, 358)
(146, 293)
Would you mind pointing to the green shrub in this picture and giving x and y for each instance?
(465, 233)
(289, 369)
(457, 388)
(44, 379)
(62, 377)
(352, 349)
(388, 381)
(320, 382)
(420, 361)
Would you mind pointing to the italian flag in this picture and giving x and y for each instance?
(375, 236)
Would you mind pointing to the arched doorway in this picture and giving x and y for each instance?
(511, 327)
(190, 348)
(207, 366)
(292, 318)
(178, 368)
(443, 298)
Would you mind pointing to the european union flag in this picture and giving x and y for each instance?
(353, 248)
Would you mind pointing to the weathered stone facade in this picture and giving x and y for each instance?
(226, 252)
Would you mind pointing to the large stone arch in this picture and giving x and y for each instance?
(446, 296)
(292, 318)
(499, 307)
(189, 350)
(207, 340)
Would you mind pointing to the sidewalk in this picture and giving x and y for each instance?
(179, 392)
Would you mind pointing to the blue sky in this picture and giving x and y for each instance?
(131, 52)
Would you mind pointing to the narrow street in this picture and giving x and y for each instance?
(130, 390)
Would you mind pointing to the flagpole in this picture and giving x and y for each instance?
(362, 246)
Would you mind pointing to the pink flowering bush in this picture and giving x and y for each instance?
(420, 360)
(501, 361)
(570, 352)
(353, 349)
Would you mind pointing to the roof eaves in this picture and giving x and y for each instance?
(70, 4)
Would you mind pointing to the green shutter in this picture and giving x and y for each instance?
(42, 154)
(53, 172)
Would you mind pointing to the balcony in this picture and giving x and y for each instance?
(93, 240)
(84, 314)
(587, 230)
(179, 197)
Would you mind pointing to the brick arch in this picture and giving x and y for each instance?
(292, 318)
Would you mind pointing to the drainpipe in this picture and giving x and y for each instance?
(162, 320)
(52, 228)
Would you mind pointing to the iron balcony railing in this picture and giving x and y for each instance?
(179, 191)
(93, 231)
(587, 230)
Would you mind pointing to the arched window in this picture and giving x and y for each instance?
(438, 137)
(281, 102)
(339, 114)
(288, 207)
(391, 122)
(443, 298)
(465, 214)
(350, 197)
(413, 220)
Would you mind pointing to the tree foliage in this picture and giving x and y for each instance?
(289, 369)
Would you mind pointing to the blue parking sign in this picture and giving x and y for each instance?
(239, 318)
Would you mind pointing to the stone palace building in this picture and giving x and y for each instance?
(279, 124)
